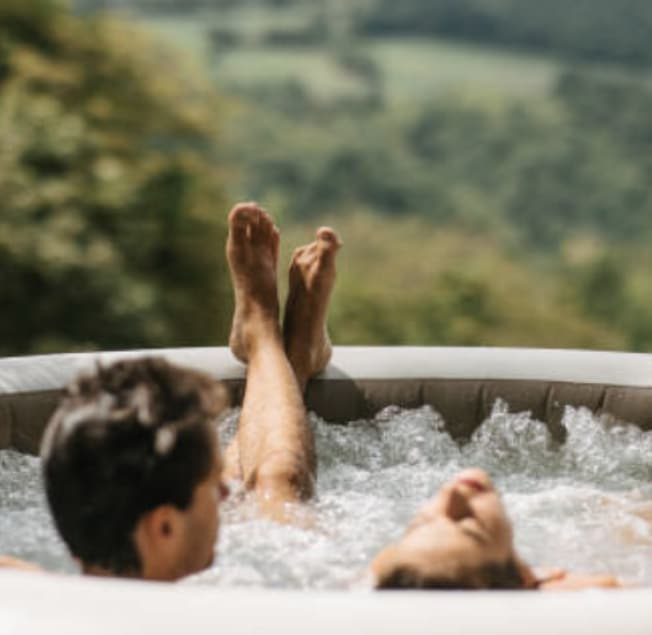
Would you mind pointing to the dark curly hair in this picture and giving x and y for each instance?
(494, 575)
(124, 440)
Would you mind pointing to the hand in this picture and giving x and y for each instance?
(560, 580)
(8, 562)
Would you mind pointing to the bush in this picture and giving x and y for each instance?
(112, 227)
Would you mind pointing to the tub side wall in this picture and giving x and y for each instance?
(463, 404)
(23, 418)
(462, 384)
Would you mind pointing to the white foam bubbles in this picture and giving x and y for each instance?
(585, 504)
(26, 529)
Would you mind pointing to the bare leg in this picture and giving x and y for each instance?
(312, 276)
(274, 442)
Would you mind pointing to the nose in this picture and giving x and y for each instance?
(456, 505)
(477, 479)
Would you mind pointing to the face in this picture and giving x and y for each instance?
(461, 531)
(200, 522)
(174, 543)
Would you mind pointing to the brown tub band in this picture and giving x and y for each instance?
(23, 417)
(463, 403)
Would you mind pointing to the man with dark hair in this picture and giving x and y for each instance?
(132, 467)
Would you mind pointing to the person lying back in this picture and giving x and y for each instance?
(463, 539)
(133, 472)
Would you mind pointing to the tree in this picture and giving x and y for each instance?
(112, 221)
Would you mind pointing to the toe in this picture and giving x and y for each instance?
(262, 229)
(312, 250)
(243, 213)
(328, 244)
(329, 236)
(242, 218)
(296, 256)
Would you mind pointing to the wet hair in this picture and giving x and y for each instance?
(498, 576)
(125, 440)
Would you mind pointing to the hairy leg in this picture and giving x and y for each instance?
(275, 452)
(311, 280)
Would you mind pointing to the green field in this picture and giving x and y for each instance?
(411, 69)
(186, 33)
(416, 69)
(314, 69)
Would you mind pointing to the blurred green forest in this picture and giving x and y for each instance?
(575, 29)
(487, 164)
(111, 229)
(580, 29)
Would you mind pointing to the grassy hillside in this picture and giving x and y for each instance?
(410, 69)
(525, 179)
(108, 188)
(403, 282)
(484, 196)
(589, 30)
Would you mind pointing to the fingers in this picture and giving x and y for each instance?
(572, 582)
(9, 562)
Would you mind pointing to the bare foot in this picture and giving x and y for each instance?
(252, 253)
(312, 276)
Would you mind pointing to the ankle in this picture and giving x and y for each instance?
(264, 335)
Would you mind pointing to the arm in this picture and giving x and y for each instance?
(9, 562)
(560, 580)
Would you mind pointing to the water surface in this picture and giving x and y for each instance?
(585, 505)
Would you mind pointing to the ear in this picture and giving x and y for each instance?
(157, 536)
(161, 525)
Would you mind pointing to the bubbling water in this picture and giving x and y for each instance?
(26, 528)
(585, 504)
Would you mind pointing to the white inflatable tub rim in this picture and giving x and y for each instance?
(461, 383)
(31, 603)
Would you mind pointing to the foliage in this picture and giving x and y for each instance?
(597, 30)
(404, 282)
(110, 232)
(535, 177)
(542, 170)
(511, 208)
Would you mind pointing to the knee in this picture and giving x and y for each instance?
(284, 475)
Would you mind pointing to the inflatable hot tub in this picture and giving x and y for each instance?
(461, 384)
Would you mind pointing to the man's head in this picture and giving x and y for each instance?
(132, 469)
(462, 539)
